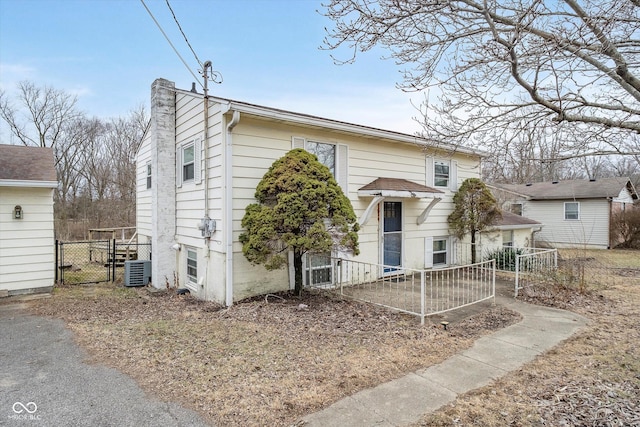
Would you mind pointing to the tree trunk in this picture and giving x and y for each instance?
(297, 266)
(473, 247)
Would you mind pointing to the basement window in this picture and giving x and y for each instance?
(192, 266)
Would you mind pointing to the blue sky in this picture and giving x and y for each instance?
(108, 52)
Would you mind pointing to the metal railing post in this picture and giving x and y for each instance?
(422, 297)
(517, 274)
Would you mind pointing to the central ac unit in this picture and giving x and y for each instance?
(137, 273)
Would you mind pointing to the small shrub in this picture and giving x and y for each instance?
(505, 258)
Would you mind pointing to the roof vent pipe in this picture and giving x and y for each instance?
(193, 87)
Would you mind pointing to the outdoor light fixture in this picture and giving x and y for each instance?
(17, 212)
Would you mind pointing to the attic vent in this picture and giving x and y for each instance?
(592, 180)
(137, 273)
(528, 184)
(554, 182)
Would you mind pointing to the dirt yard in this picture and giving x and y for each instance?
(268, 361)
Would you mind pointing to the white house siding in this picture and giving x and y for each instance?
(190, 196)
(143, 195)
(590, 231)
(27, 250)
(257, 143)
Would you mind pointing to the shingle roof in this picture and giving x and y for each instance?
(511, 219)
(21, 163)
(396, 184)
(574, 189)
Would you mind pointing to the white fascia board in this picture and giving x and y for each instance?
(27, 183)
(398, 194)
(308, 120)
(518, 227)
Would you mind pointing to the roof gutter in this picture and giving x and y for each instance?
(309, 120)
(28, 183)
(228, 215)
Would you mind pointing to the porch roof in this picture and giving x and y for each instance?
(395, 187)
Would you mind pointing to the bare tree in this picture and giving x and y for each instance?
(500, 63)
(41, 115)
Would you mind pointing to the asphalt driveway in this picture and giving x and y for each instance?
(44, 381)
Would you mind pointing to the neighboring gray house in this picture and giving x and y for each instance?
(575, 213)
(27, 245)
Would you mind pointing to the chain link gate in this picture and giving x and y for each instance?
(84, 262)
(96, 261)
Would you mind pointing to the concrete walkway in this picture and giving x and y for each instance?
(406, 399)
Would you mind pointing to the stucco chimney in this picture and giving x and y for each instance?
(162, 133)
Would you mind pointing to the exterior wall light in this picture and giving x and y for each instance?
(17, 212)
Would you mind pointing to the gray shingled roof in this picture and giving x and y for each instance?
(574, 189)
(395, 184)
(21, 163)
(511, 219)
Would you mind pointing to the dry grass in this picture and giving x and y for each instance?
(261, 362)
(593, 379)
(270, 361)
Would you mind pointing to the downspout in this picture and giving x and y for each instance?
(228, 222)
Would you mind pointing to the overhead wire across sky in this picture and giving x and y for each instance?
(216, 76)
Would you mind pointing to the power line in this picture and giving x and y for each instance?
(183, 34)
(171, 44)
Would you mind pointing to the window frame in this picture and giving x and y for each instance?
(192, 163)
(577, 211)
(510, 241)
(335, 154)
(440, 252)
(521, 208)
(191, 265)
(148, 175)
(437, 176)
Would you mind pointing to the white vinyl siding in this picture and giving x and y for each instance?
(143, 196)
(27, 245)
(591, 230)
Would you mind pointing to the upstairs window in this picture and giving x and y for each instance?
(188, 163)
(148, 176)
(516, 208)
(326, 154)
(571, 210)
(441, 173)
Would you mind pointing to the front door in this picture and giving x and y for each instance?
(392, 236)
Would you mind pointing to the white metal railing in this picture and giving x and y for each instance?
(535, 266)
(418, 292)
(505, 256)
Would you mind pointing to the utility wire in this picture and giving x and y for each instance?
(183, 34)
(197, 79)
